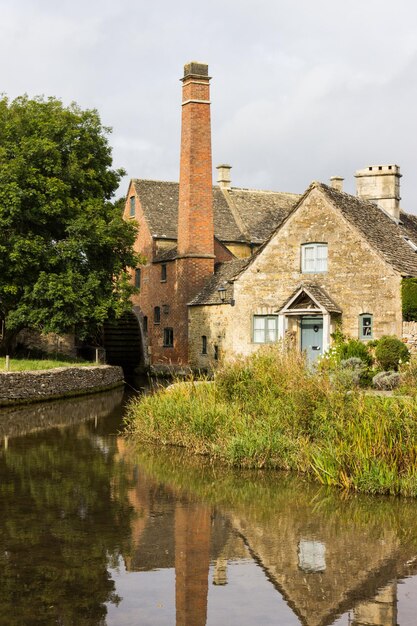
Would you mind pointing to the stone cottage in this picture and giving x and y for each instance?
(230, 269)
(336, 260)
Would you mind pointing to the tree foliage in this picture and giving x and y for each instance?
(64, 247)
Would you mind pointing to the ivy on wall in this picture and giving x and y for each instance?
(409, 299)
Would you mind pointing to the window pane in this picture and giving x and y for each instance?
(258, 322)
(272, 329)
(321, 258)
(259, 336)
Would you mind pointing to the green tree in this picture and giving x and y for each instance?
(64, 247)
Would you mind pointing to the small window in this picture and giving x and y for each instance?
(163, 273)
(137, 277)
(216, 352)
(157, 315)
(145, 323)
(265, 328)
(204, 344)
(168, 337)
(365, 326)
(165, 309)
(132, 206)
(313, 258)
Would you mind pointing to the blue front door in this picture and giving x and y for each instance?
(312, 337)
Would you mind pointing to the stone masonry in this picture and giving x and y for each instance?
(358, 279)
(33, 386)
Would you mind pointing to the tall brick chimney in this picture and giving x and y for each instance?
(195, 210)
(195, 245)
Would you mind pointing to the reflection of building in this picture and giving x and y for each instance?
(322, 566)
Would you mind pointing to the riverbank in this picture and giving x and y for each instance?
(50, 384)
(270, 411)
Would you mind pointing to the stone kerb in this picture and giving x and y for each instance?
(38, 385)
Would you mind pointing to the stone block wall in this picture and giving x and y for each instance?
(34, 386)
(410, 336)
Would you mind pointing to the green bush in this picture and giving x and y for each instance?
(390, 352)
(409, 299)
(353, 348)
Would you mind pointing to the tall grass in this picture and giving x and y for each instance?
(271, 411)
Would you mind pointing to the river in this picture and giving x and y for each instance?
(94, 532)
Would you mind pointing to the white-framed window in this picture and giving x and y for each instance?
(313, 258)
(265, 328)
(365, 326)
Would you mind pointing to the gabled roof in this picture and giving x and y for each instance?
(310, 294)
(223, 276)
(258, 212)
(381, 232)
(261, 211)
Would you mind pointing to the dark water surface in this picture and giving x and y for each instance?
(93, 532)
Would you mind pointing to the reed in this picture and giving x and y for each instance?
(271, 411)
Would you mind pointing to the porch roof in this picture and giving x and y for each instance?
(315, 295)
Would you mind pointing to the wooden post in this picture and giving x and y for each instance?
(97, 360)
(7, 363)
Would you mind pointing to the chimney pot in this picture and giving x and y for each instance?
(223, 176)
(336, 182)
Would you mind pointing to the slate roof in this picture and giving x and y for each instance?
(261, 211)
(381, 232)
(223, 276)
(239, 214)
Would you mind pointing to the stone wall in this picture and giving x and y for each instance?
(410, 335)
(358, 280)
(50, 343)
(34, 386)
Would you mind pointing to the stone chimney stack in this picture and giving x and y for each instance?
(336, 182)
(195, 210)
(223, 176)
(381, 183)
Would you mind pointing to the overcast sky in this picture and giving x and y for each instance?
(301, 89)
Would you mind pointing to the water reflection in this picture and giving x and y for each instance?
(325, 554)
(93, 533)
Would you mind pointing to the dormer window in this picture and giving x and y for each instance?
(313, 258)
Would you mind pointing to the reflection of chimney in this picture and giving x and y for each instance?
(381, 183)
(336, 182)
(223, 176)
(220, 571)
(195, 210)
(192, 561)
(380, 611)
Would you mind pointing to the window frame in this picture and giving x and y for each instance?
(132, 206)
(138, 277)
(157, 315)
(204, 345)
(362, 335)
(314, 245)
(168, 340)
(164, 272)
(266, 329)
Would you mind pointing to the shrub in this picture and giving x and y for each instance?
(386, 380)
(390, 352)
(353, 348)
